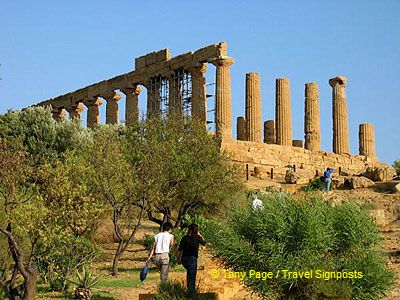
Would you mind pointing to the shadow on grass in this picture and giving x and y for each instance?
(130, 270)
(128, 282)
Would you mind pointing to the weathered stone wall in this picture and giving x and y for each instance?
(278, 157)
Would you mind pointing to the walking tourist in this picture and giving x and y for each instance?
(163, 242)
(189, 253)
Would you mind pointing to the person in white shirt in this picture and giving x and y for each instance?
(163, 242)
(257, 203)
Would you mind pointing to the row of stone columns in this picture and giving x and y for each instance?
(112, 111)
(279, 131)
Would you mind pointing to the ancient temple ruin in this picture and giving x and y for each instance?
(177, 86)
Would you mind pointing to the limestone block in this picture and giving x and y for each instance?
(152, 58)
(291, 177)
(338, 181)
(297, 143)
(396, 188)
(379, 173)
(379, 217)
(359, 182)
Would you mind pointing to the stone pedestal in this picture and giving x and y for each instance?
(132, 105)
(269, 132)
(241, 129)
(199, 97)
(253, 108)
(340, 115)
(223, 98)
(93, 113)
(283, 116)
(112, 114)
(366, 136)
(59, 114)
(312, 130)
(297, 143)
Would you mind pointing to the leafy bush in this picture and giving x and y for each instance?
(61, 257)
(300, 236)
(316, 184)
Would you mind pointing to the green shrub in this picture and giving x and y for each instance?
(61, 257)
(316, 184)
(309, 234)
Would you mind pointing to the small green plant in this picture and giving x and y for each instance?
(316, 184)
(60, 257)
(84, 284)
(396, 165)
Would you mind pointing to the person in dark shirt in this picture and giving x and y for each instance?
(188, 254)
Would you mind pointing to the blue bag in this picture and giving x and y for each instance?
(143, 272)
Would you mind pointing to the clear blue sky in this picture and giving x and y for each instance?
(49, 48)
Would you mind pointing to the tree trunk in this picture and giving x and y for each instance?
(123, 245)
(28, 272)
(30, 286)
(116, 259)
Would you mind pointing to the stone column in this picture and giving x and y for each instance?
(59, 114)
(283, 116)
(75, 110)
(312, 130)
(175, 97)
(366, 136)
(223, 98)
(253, 108)
(199, 96)
(340, 118)
(132, 104)
(269, 132)
(93, 114)
(241, 129)
(112, 114)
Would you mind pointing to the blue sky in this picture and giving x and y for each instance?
(49, 48)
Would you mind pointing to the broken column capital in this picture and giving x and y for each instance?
(341, 80)
(222, 61)
(136, 90)
(96, 101)
(198, 68)
(111, 96)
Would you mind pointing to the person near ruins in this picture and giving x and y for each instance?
(328, 179)
(163, 242)
(189, 253)
(257, 203)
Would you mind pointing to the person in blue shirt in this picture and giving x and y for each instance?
(328, 179)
